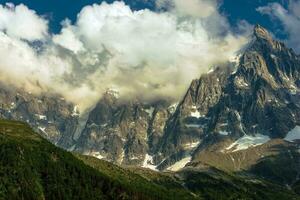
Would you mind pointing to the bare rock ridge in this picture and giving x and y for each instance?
(262, 96)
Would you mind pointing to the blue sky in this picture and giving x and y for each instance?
(58, 10)
(246, 10)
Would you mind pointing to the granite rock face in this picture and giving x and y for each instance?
(50, 115)
(258, 109)
(125, 132)
(262, 95)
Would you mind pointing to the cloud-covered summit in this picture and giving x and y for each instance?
(142, 53)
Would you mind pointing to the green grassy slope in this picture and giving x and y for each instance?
(210, 184)
(283, 168)
(167, 186)
(218, 185)
(32, 168)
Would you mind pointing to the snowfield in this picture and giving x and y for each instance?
(248, 141)
(293, 134)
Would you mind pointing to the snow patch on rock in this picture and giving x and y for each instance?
(180, 164)
(195, 112)
(223, 133)
(293, 89)
(120, 160)
(43, 129)
(75, 111)
(150, 111)
(193, 125)
(97, 155)
(148, 163)
(12, 105)
(236, 61)
(236, 58)
(293, 135)
(248, 141)
(133, 158)
(273, 56)
(240, 82)
(41, 117)
(191, 145)
(211, 70)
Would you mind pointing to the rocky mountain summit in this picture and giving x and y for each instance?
(262, 95)
(233, 107)
(236, 117)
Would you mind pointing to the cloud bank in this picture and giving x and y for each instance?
(143, 54)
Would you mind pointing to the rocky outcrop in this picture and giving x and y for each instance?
(125, 132)
(185, 128)
(50, 115)
(262, 96)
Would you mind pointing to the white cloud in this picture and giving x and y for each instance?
(142, 53)
(67, 38)
(20, 22)
(195, 8)
(290, 19)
